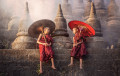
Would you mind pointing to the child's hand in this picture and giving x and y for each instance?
(46, 44)
(43, 43)
(49, 44)
(74, 45)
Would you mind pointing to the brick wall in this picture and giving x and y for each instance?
(99, 62)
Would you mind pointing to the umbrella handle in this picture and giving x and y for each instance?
(44, 38)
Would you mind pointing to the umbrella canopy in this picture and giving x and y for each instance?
(33, 29)
(86, 30)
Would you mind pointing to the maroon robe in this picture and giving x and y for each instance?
(46, 52)
(80, 50)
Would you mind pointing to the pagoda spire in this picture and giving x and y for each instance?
(95, 23)
(23, 40)
(113, 9)
(59, 13)
(25, 21)
(92, 11)
(67, 13)
(113, 23)
(99, 4)
(27, 8)
(87, 9)
(78, 10)
(61, 24)
(93, 20)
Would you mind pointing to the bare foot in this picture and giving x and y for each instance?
(81, 67)
(53, 67)
(41, 72)
(70, 64)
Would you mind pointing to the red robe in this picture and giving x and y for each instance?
(79, 50)
(46, 52)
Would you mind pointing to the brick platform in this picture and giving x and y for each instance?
(99, 62)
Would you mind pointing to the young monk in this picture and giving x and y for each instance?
(45, 41)
(78, 49)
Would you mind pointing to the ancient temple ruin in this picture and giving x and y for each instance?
(78, 10)
(95, 23)
(67, 10)
(61, 27)
(4, 34)
(87, 10)
(13, 23)
(113, 23)
(23, 40)
(13, 27)
(101, 12)
(61, 36)
(23, 59)
(67, 13)
(93, 20)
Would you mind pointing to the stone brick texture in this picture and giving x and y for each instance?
(99, 62)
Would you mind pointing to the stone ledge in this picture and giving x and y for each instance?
(33, 54)
(25, 62)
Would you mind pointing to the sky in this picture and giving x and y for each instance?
(39, 9)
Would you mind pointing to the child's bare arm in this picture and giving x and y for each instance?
(80, 42)
(74, 42)
(39, 39)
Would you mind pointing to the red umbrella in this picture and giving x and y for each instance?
(85, 29)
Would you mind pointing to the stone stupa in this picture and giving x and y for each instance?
(97, 41)
(113, 9)
(113, 24)
(62, 43)
(13, 27)
(13, 23)
(61, 24)
(78, 10)
(67, 13)
(4, 34)
(93, 20)
(87, 10)
(101, 12)
(61, 36)
(67, 10)
(23, 40)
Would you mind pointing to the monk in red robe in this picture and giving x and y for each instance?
(79, 48)
(45, 41)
